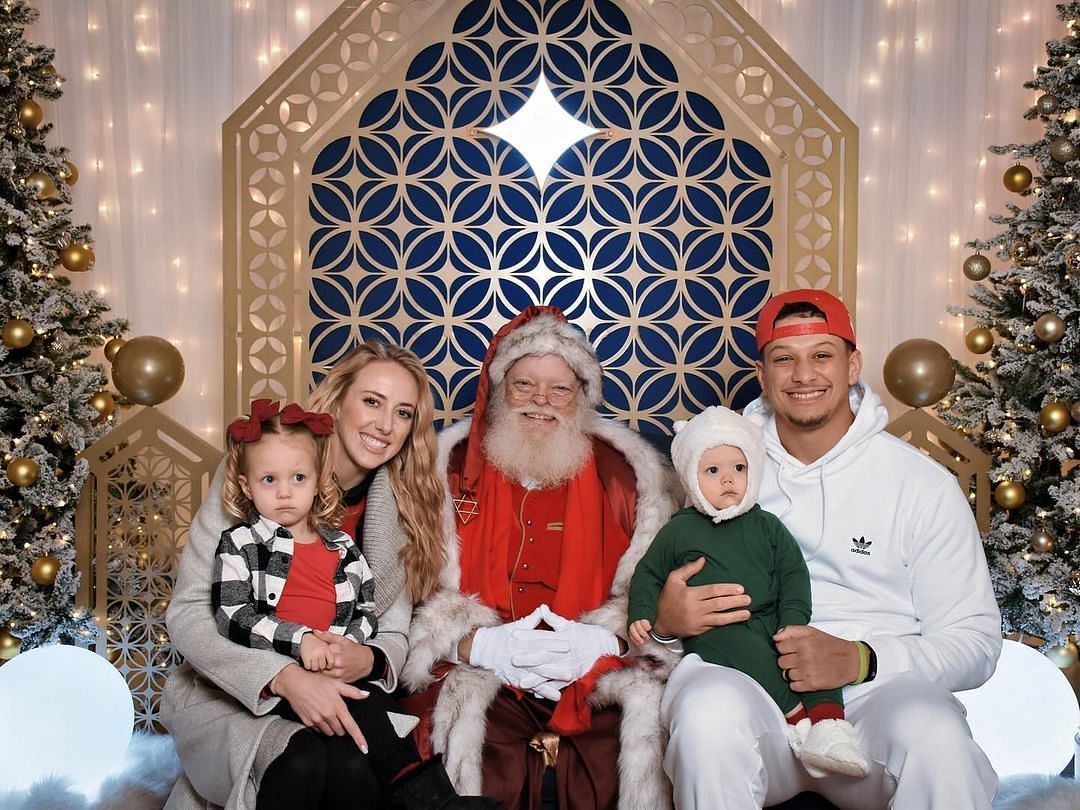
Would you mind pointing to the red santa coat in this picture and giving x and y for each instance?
(459, 719)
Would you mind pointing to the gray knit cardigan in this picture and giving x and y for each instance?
(211, 704)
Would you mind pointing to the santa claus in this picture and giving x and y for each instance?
(519, 660)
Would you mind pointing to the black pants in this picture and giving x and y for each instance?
(327, 773)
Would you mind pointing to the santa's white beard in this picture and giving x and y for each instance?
(546, 457)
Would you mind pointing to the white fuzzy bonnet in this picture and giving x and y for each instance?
(710, 428)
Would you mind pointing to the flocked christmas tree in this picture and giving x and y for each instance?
(52, 402)
(1022, 403)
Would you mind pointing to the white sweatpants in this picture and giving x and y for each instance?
(729, 750)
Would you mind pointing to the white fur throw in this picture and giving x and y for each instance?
(1029, 791)
(151, 769)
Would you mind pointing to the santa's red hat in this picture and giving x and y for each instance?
(536, 331)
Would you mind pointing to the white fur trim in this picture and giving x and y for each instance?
(546, 334)
(710, 428)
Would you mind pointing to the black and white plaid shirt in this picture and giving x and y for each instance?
(250, 569)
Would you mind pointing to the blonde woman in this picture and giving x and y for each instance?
(236, 752)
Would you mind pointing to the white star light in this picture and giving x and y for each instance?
(541, 130)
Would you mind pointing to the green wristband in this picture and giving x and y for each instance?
(864, 662)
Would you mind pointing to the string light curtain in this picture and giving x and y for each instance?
(149, 83)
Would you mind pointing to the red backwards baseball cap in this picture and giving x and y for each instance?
(837, 317)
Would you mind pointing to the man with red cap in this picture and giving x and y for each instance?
(518, 659)
(904, 613)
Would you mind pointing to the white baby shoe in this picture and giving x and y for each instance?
(826, 747)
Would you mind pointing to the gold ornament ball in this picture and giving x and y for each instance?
(1063, 655)
(919, 372)
(1010, 495)
(30, 113)
(1021, 250)
(1054, 417)
(148, 370)
(76, 257)
(1074, 411)
(1063, 150)
(44, 570)
(1072, 259)
(17, 333)
(1017, 178)
(976, 267)
(1047, 104)
(42, 183)
(9, 645)
(979, 340)
(69, 173)
(103, 403)
(1042, 541)
(22, 472)
(1050, 328)
(112, 347)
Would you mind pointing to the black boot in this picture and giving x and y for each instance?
(428, 787)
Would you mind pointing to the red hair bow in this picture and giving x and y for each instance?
(249, 428)
(321, 424)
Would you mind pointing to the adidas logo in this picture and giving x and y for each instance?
(860, 545)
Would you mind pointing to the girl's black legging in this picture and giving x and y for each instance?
(329, 773)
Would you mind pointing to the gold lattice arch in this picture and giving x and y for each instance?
(314, 97)
(147, 479)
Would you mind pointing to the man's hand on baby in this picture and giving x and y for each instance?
(315, 653)
(639, 631)
(689, 610)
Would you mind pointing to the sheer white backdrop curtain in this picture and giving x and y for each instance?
(149, 82)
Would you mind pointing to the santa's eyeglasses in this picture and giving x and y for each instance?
(557, 394)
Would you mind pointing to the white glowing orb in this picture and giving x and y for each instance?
(1025, 716)
(66, 712)
(541, 130)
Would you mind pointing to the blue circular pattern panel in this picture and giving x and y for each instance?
(652, 235)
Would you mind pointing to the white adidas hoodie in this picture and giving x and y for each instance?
(894, 554)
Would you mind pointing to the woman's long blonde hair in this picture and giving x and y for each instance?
(414, 478)
(327, 509)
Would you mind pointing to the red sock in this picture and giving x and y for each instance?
(826, 711)
(799, 715)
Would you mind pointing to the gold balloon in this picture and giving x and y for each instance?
(22, 472)
(112, 347)
(1017, 178)
(976, 267)
(17, 333)
(30, 113)
(103, 403)
(1063, 150)
(9, 645)
(42, 183)
(44, 570)
(919, 372)
(69, 173)
(1054, 417)
(1010, 494)
(76, 257)
(1063, 655)
(1050, 328)
(1042, 541)
(979, 340)
(148, 370)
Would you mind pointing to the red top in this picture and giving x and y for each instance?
(309, 597)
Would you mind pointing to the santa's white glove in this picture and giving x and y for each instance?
(502, 648)
(584, 643)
